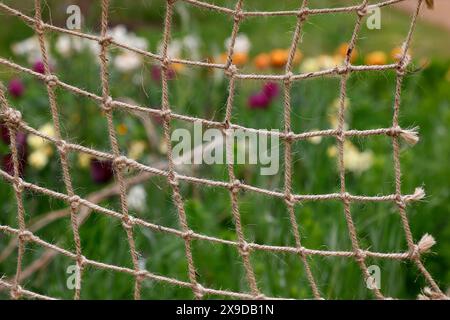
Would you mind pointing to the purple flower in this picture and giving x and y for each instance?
(271, 89)
(101, 170)
(258, 101)
(16, 87)
(39, 67)
(4, 133)
(156, 73)
(7, 160)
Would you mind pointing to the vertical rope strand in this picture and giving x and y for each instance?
(172, 177)
(119, 161)
(50, 81)
(290, 204)
(401, 70)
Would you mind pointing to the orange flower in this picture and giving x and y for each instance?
(396, 53)
(262, 61)
(239, 58)
(376, 58)
(279, 57)
(122, 129)
(342, 51)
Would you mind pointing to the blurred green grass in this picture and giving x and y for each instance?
(425, 103)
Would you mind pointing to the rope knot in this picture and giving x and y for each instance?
(343, 70)
(127, 222)
(238, 16)
(400, 202)
(288, 77)
(235, 185)
(12, 118)
(360, 255)
(290, 200)
(289, 136)
(173, 181)
(244, 249)
(414, 253)
(81, 261)
(51, 80)
(166, 115)
(107, 104)
(165, 63)
(141, 274)
(345, 196)
(105, 41)
(120, 162)
(18, 185)
(394, 131)
(188, 235)
(25, 236)
(231, 70)
(74, 202)
(199, 291)
(16, 292)
(62, 146)
(362, 10)
(303, 14)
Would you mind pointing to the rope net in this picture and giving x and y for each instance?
(12, 118)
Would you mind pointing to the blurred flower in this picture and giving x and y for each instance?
(342, 52)
(279, 57)
(122, 129)
(38, 159)
(310, 65)
(16, 87)
(241, 45)
(337, 103)
(262, 61)
(66, 45)
(316, 139)
(29, 48)
(322, 62)
(122, 35)
(136, 149)
(376, 58)
(191, 44)
(39, 67)
(396, 53)
(84, 160)
(37, 142)
(271, 89)
(127, 61)
(162, 148)
(258, 101)
(137, 198)
(156, 73)
(354, 160)
(101, 170)
(8, 164)
(239, 58)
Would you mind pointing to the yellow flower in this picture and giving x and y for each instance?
(136, 150)
(316, 139)
(38, 159)
(354, 160)
(37, 142)
(84, 160)
(396, 53)
(310, 65)
(376, 58)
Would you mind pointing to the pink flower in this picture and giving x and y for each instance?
(271, 89)
(16, 87)
(258, 101)
(156, 73)
(39, 67)
(101, 170)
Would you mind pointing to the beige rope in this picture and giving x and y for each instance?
(14, 122)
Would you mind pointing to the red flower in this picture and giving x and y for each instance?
(39, 67)
(156, 73)
(271, 89)
(258, 101)
(101, 170)
(16, 88)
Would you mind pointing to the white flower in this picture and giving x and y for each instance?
(354, 160)
(38, 159)
(127, 61)
(66, 45)
(29, 48)
(173, 50)
(120, 34)
(191, 44)
(241, 45)
(137, 198)
(37, 142)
